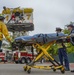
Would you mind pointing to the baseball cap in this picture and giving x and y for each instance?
(70, 25)
(58, 29)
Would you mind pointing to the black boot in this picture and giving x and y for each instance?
(72, 70)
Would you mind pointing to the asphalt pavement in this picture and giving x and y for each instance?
(17, 69)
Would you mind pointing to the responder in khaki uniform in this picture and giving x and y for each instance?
(3, 30)
(62, 53)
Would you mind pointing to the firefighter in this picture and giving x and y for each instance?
(6, 10)
(71, 29)
(62, 51)
(3, 30)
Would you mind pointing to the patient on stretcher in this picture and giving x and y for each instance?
(40, 38)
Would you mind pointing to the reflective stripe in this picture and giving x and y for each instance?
(1, 15)
(7, 36)
(1, 33)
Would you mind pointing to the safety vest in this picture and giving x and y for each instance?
(60, 46)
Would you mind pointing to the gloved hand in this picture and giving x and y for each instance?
(11, 43)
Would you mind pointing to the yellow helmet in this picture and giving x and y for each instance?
(1, 17)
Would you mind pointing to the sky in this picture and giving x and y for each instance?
(48, 14)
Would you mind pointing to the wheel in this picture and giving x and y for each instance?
(25, 69)
(23, 60)
(28, 60)
(54, 70)
(29, 71)
(16, 62)
(63, 70)
(42, 61)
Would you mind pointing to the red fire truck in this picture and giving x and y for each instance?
(22, 57)
(2, 57)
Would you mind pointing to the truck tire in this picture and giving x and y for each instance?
(23, 60)
(42, 60)
(16, 62)
(28, 60)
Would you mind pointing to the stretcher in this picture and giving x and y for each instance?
(42, 43)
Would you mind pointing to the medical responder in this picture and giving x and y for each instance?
(62, 52)
(71, 29)
(3, 30)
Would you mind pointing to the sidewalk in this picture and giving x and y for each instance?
(71, 65)
(7, 63)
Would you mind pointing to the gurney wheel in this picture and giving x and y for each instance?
(25, 68)
(29, 71)
(54, 70)
(62, 70)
